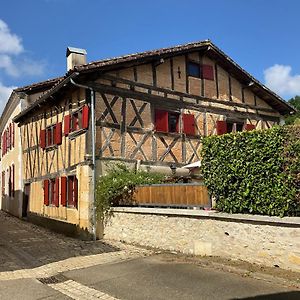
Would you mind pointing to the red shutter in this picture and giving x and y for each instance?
(208, 72)
(46, 192)
(63, 186)
(221, 127)
(43, 139)
(75, 191)
(13, 135)
(9, 181)
(56, 196)
(67, 122)
(58, 134)
(161, 121)
(188, 124)
(85, 117)
(13, 181)
(9, 136)
(4, 142)
(70, 191)
(249, 127)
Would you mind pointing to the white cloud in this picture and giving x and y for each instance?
(9, 43)
(5, 92)
(279, 79)
(13, 59)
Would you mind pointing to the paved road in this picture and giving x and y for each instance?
(38, 264)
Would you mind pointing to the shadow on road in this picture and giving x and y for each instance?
(277, 296)
(24, 245)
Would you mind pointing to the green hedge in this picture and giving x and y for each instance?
(254, 172)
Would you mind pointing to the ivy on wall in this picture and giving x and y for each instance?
(254, 172)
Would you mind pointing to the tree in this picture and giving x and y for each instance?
(295, 118)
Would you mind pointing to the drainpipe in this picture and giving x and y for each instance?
(93, 153)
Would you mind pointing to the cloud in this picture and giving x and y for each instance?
(13, 59)
(279, 79)
(5, 92)
(9, 43)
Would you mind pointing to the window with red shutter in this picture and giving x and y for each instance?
(63, 186)
(58, 133)
(207, 72)
(13, 135)
(249, 127)
(46, 192)
(43, 138)
(56, 192)
(161, 121)
(67, 122)
(13, 181)
(72, 198)
(75, 191)
(3, 183)
(85, 117)
(188, 121)
(9, 181)
(221, 127)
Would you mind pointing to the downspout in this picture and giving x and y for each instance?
(93, 153)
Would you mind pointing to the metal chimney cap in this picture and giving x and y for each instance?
(75, 50)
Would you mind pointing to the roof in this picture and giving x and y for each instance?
(137, 58)
(38, 85)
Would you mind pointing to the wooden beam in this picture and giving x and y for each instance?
(175, 104)
(185, 95)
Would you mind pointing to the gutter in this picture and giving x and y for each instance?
(93, 152)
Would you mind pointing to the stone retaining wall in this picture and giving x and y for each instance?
(263, 240)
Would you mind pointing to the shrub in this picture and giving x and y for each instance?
(117, 188)
(254, 172)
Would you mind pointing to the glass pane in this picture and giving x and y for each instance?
(194, 69)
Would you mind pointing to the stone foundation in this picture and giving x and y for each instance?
(269, 241)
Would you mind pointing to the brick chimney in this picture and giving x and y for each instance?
(75, 57)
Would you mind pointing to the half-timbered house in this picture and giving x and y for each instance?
(13, 196)
(150, 109)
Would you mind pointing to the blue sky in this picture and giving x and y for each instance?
(260, 35)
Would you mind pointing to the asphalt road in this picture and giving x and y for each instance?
(157, 277)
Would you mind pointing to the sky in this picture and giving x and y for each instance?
(262, 36)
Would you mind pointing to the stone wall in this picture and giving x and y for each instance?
(263, 240)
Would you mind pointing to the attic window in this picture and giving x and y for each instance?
(193, 69)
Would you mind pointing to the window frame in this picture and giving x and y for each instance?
(52, 130)
(196, 64)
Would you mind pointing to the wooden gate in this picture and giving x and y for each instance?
(183, 194)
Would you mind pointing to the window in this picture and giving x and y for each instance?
(229, 126)
(51, 136)
(193, 69)
(51, 192)
(3, 183)
(200, 71)
(79, 120)
(8, 139)
(166, 121)
(69, 191)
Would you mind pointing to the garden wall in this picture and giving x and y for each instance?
(270, 241)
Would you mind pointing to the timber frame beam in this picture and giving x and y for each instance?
(171, 103)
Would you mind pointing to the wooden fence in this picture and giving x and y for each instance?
(185, 194)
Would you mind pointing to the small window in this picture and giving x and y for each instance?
(72, 194)
(77, 121)
(173, 122)
(50, 136)
(52, 191)
(234, 126)
(166, 121)
(194, 69)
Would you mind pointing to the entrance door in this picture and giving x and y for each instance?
(26, 199)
